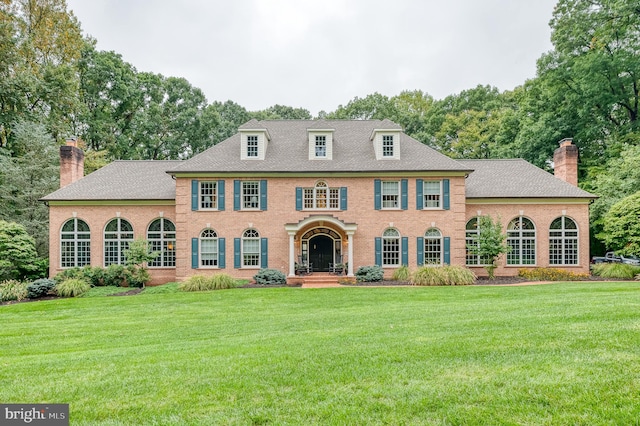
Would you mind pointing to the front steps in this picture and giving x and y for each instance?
(317, 280)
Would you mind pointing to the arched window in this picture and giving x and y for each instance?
(521, 238)
(208, 249)
(391, 247)
(250, 248)
(117, 235)
(472, 232)
(432, 247)
(161, 235)
(563, 242)
(321, 196)
(75, 244)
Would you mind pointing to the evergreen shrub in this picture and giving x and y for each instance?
(368, 274)
(40, 288)
(270, 277)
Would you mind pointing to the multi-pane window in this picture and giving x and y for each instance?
(252, 146)
(321, 197)
(432, 192)
(117, 235)
(208, 195)
(521, 238)
(472, 232)
(321, 146)
(563, 242)
(391, 247)
(208, 248)
(390, 194)
(161, 235)
(387, 145)
(75, 244)
(250, 194)
(432, 247)
(250, 248)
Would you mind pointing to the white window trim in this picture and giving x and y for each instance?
(242, 251)
(398, 239)
(314, 198)
(424, 195)
(242, 195)
(215, 193)
(201, 251)
(328, 135)
(398, 194)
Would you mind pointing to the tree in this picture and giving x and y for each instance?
(490, 243)
(18, 257)
(589, 85)
(38, 79)
(621, 231)
(282, 112)
(230, 116)
(137, 257)
(372, 107)
(27, 178)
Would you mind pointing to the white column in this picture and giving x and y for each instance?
(292, 256)
(350, 250)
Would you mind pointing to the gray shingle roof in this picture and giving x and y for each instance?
(516, 178)
(122, 180)
(288, 151)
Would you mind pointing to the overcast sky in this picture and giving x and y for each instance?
(321, 54)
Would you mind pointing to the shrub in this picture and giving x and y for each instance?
(551, 274)
(139, 276)
(368, 274)
(12, 290)
(619, 271)
(68, 274)
(204, 283)
(40, 288)
(443, 275)
(401, 274)
(18, 255)
(94, 275)
(270, 277)
(72, 287)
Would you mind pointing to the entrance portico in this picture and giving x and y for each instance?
(321, 240)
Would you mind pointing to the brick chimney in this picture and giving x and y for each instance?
(71, 163)
(565, 162)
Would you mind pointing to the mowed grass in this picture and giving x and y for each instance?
(548, 354)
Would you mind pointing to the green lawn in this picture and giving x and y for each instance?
(549, 354)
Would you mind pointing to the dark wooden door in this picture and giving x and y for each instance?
(321, 253)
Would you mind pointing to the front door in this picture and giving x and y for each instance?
(321, 252)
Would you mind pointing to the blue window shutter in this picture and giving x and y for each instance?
(419, 194)
(404, 197)
(445, 191)
(343, 198)
(236, 195)
(378, 251)
(377, 194)
(264, 253)
(237, 256)
(447, 250)
(420, 251)
(298, 198)
(263, 194)
(405, 251)
(194, 253)
(222, 261)
(194, 195)
(220, 195)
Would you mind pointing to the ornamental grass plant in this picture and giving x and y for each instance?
(13, 290)
(443, 275)
(72, 287)
(207, 283)
(618, 271)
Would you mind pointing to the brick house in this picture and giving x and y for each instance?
(334, 193)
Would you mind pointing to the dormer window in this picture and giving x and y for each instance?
(252, 146)
(320, 144)
(386, 144)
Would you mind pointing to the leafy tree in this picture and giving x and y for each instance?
(621, 231)
(138, 253)
(26, 179)
(38, 82)
(282, 112)
(18, 257)
(372, 107)
(230, 116)
(490, 243)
